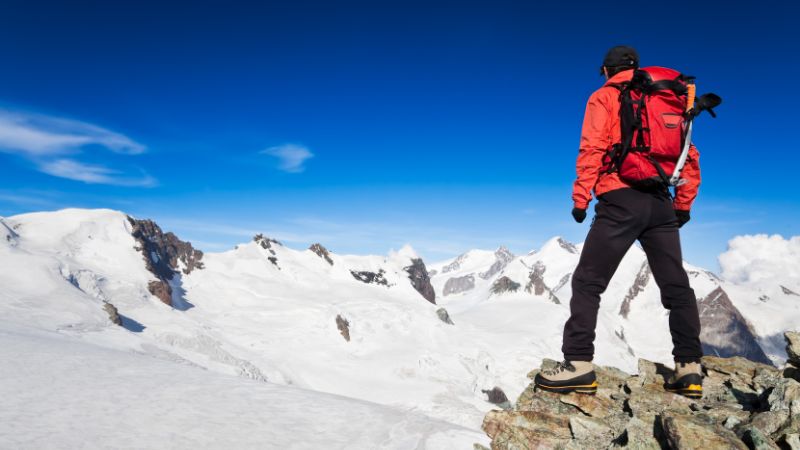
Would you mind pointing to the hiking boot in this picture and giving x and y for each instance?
(568, 376)
(687, 380)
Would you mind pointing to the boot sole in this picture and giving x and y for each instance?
(691, 391)
(588, 389)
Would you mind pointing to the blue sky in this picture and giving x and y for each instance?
(369, 125)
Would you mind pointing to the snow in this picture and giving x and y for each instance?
(263, 337)
(100, 398)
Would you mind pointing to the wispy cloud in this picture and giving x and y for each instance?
(92, 174)
(46, 140)
(291, 157)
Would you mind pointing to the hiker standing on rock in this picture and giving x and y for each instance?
(635, 145)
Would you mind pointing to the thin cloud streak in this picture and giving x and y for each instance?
(45, 141)
(291, 157)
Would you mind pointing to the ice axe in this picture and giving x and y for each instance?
(706, 102)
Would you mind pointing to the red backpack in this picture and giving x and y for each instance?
(657, 107)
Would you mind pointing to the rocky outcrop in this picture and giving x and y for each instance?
(344, 327)
(793, 347)
(322, 252)
(502, 257)
(455, 265)
(642, 278)
(457, 285)
(370, 277)
(164, 255)
(418, 274)
(788, 291)
(746, 404)
(7, 233)
(113, 314)
(536, 285)
(568, 246)
(444, 316)
(504, 284)
(724, 331)
(498, 397)
(268, 244)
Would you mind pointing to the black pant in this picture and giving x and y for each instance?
(621, 217)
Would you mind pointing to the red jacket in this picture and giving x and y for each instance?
(600, 131)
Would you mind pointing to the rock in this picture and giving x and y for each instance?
(502, 257)
(265, 242)
(685, 432)
(591, 405)
(790, 441)
(637, 435)
(113, 314)
(444, 316)
(457, 285)
(504, 284)
(642, 278)
(322, 252)
(593, 432)
(785, 396)
(745, 404)
(344, 327)
(793, 347)
(724, 331)
(497, 397)
(371, 277)
(536, 284)
(769, 422)
(164, 253)
(526, 429)
(756, 440)
(477, 446)
(162, 290)
(418, 274)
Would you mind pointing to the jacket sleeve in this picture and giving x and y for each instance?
(595, 141)
(687, 192)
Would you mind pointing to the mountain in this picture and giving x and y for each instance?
(393, 331)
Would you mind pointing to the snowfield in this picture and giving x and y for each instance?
(249, 350)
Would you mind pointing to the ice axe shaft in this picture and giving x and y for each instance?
(675, 179)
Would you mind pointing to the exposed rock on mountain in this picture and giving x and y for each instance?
(642, 278)
(504, 284)
(455, 265)
(370, 277)
(724, 332)
(568, 246)
(502, 257)
(457, 285)
(113, 314)
(745, 405)
(7, 233)
(418, 275)
(536, 284)
(444, 316)
(322, 252)
(344, 327)
(265, 242)
(788, 291)
(164, 254)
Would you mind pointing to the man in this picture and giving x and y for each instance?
(623, 215)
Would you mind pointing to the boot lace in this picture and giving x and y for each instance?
(560, 367)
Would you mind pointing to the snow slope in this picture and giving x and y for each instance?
(264, 317)
(62, 393)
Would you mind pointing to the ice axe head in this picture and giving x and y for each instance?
(707, 102)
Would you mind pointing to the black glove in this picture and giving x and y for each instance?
(579, 214)
(683, 217)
